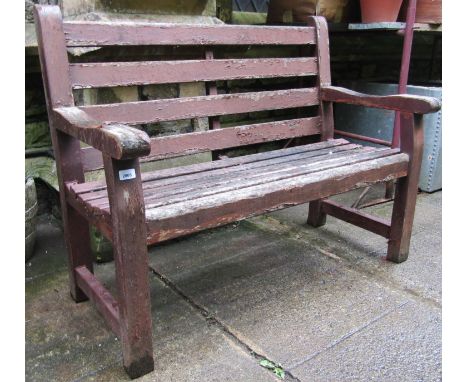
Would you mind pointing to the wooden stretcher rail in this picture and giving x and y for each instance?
(361, 219)
(100, 296)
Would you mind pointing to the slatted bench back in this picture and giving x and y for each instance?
(207, 69)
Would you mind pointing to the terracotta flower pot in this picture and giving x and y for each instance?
(375, 11)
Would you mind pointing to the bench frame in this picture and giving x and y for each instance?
(129, 316)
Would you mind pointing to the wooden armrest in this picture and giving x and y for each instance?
(400, 102)
(116, 140)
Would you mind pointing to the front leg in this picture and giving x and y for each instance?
(131, 263)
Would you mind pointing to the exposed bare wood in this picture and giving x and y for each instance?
(167, 223)
(134, 210)
(191, 143)
(84, 33)
(116, 140)
(109, 74)
(203, 106)
(177, 172)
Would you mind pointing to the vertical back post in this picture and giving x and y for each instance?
(58, 92)
(211, 89)
(316, 217)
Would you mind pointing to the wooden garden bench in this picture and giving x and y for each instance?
(135, 210)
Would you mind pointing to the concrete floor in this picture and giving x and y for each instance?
(323, 303)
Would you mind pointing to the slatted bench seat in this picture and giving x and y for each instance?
(192, 198)
(135, 209)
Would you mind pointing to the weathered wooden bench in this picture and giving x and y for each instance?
(135, 210)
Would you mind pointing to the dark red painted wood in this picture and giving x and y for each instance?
(191, 143)
(203, 106)
(316, 217)
(109, 74)
(361, 219)
(363, 138)
(116, 140)
(198, 168)
(54, 63)
(211, 89)
(405, 103)
(84, 33)
(100, 296)
(275, 196)
(131, 265)
(406, 190)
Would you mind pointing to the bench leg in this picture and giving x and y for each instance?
(402, 221)
(76, 232)
(131, 266)
(406, 190)
(316, 217)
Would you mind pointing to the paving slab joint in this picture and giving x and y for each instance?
(212, 320)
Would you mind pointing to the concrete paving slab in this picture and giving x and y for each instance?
(402, 346)
(283, 299)
(323, 302)
(420, 274)
(70, 342)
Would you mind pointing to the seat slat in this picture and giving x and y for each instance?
(188, 217)
(192, 198)
(177, 172)
(85, 33)
(262, 176)
(108, 74)
(202, 106)
(202, 141)
(176, 185)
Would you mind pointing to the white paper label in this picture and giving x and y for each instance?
(127, 174)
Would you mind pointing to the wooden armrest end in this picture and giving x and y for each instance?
(116, 140)
(400, 102)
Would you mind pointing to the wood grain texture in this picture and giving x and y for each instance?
(109, 74)
(84, 33)
(127, 213)
(198, 168)
(202, 106)
(116, 140)
(405, 103)
(171, 193)
(229, 178)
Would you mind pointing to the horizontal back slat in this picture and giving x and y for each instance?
(82, 33)
(110, 74)
(191, 143)
(203, 106)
